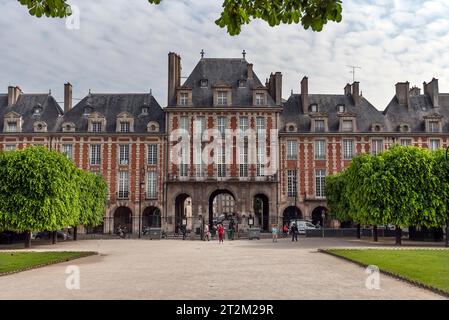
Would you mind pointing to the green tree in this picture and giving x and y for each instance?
(336, 196)
(38, 191)
(93, 191)
(312, 14)
(441, 172)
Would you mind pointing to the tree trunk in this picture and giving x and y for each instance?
(75, 233)
(375, 232)
(398, 235)
(27, 239)
(54, 237)
(447, 233)
(358, 231)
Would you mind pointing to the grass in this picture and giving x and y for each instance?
(19, 261)
(429, 267)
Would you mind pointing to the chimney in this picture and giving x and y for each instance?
(13, 95)
(278, 88)
(403, 93)
(305, 95)
(415, 91)
(356, 93)
(174, 76)
(348, 89)
(250, 71)
(67, 97)
(431, 89)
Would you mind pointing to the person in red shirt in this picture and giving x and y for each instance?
(220, 232)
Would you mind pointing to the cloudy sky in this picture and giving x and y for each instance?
(122, 46)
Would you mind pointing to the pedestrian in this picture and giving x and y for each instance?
(285, 230)
(184, 231)
(274, 231)
(221, 232)
(294, 231)
(206, 233)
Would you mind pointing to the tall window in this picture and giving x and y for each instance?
(319, 126)
(67, 149)
(124, 154)
(377, 146)
(260, 99)
(124, 126)
(96, 126)
(320, 183)
(11, 127)
(152, 184)
(221, 154)
(184, 154)
(348, 149)
(222, 98)
(320, 149)
(434, 144)
(95, 154)
(183, 98)
(292, 149)
(123, 184)
(291, 183)
(406, 142)
(152, 154)
(260, 129)
(434, 126)
(200, 126)
(243, 147)
(10, 147)
(347, 126)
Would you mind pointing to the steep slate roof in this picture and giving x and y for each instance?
(420, 106)
(366, 113)
(51, 111)
(111, 105)
(223, 71)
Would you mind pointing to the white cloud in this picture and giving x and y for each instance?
(122, 46)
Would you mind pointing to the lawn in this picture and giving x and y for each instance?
(430, 267)
(17, 261)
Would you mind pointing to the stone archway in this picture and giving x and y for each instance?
(123, 217)
(151, 217)
(291, 212)
(223, 208)
(317, 216)
(183, 210)
(261, 207)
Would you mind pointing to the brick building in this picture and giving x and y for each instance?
(225, 144)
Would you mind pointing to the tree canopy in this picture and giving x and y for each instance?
(312, 14)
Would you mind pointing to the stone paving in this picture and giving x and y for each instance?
(175, 269)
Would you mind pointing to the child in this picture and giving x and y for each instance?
(274, 231)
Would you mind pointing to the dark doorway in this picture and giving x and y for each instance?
(317, 216)
(262, 211)
(183, 210)
(123, 217)
(151, 218)
(290, 213)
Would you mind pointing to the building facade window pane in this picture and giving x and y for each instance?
(124, 126)
(260, 99)
(377, 146)
(291, 183)
(434, 126)
(123, 185)
(95, 154)
(183, 98)
(10, 147)
(434, 144)
(67, 149)
(152, 154)
(222, 98)
(11, 127)
(406, 142)
(320, 149)
(152, 184)
(96, 126)
(320, 183)
(348, 149)
(347, 126)
(319, 126)
(292, 149)
(124, 154)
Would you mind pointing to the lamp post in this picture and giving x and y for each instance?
(141, 186)
(447, 213)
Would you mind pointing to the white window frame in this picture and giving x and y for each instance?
(377, 146)
(434, 144)
(97, 126)
(67, 150)
(152, 154)
(348, 147)
(95, 154)
(320, 128)
(292, 183)
(345, 127)
(222, 98)
(12, 126)
(152, 184)
(320, 149)
(320, 183)
(183, 98)
(125, 126)
(292, 149)
(406, 142)
(124, 154)
(123, 185)
(260, 99)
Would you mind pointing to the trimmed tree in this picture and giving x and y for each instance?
(93, 195)
(39, 191)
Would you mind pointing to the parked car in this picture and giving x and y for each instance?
(45, 235)
(303, 225)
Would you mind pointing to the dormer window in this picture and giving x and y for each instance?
(203, 83)
(68, 127)
(340, 108)
(319, 125)
(145, 110)
(404, 128)
(124, 126)
(183, 98)
(222, 98)
(376, 128)
(260, 99)
(347, 126)
(434, 126)
(96, 126)
(153, 127)
(40, 126)
(291, 127)
(313, 108)
(242, 83)
(11, 126)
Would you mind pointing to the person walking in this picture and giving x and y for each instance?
(184, 232)
(221, 232)
(285, 230)
(274, 231)
(294, 231)
(206, 232)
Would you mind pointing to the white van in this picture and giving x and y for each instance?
(303, 225)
